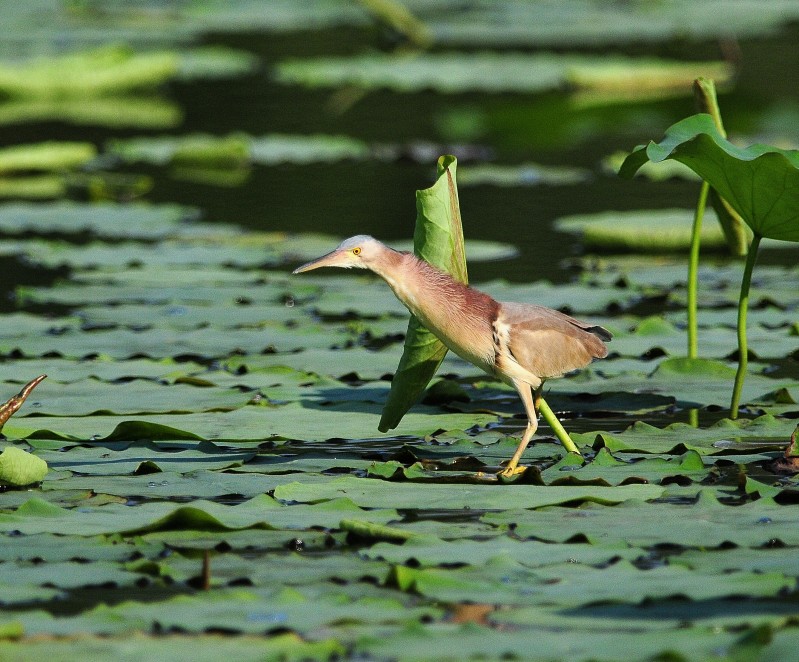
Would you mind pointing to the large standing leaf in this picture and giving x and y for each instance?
(760, 182)
(438, 239)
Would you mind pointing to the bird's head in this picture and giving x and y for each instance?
(358, 252)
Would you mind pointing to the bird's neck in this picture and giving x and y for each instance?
(416, 283)
(448, 308)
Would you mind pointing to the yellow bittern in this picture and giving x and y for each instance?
(521, 344)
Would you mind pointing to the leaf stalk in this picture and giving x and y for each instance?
(743, 306)
(693, 272)
(557, 428)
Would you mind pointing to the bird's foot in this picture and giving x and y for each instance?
(511, 471)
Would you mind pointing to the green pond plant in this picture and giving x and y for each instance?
(760, 182)
(730, 221)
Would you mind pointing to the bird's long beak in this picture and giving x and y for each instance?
(331, 259)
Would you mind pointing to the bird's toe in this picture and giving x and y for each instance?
(511, 471)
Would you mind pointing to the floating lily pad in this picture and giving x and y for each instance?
(517, 23)
(431, 552)
(141, 112)
(356, 420)
(39, 516)
(46, 156)
(113, 71)
(377, 493)
(528, 174)
(235, 150)
(212, 647)
(649, 231)
(108, 220)
(493, 72)
(706, 523)
(724, 437)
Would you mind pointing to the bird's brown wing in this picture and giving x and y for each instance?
(548, 343)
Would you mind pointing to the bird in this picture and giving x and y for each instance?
(521, 344)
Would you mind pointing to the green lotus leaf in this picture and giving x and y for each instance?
(282, 645)
(104, 219)
(508, 582)
(66, 574)
(527, 174)
(760, 182)
(114, 70)
(605, 469)
(140, 457)
(702, 523)
(429, 551)
(649, 231)
(18, 468)
(519, 24)
(113, 112)
(39, 516)
(46, 156)
(438, 239)
(687, 382)
(86, 397)
(723, 438)
(549, 643)
(312, 422)
(236, 150)
(378, 494)
(495, 72)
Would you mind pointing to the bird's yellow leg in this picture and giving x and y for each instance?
(530, 399)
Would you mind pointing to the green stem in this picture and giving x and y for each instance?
(557, 428)
(743, 305)
(693, 271)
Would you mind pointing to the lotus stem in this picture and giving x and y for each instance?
(557, 428)
(693, 271)
(743, 305)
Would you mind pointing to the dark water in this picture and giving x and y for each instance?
(377, 197)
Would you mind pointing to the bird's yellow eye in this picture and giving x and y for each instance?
(356, 251)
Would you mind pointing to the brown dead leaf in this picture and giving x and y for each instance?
(15, 402)
(467, 613)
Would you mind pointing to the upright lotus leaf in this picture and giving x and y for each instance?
(438, 239)
(731, 223)
(760, 182)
